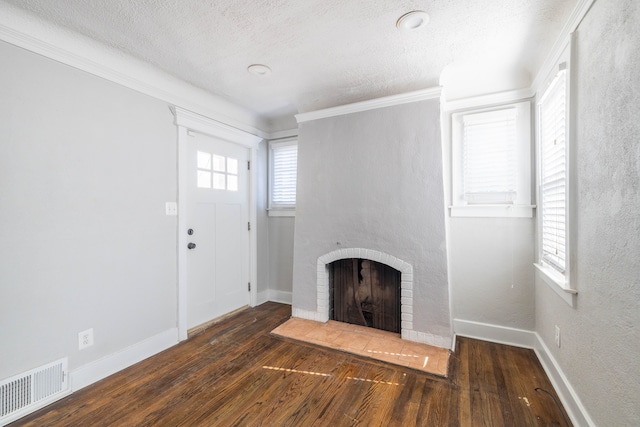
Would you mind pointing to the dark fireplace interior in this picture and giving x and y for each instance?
(366, 293)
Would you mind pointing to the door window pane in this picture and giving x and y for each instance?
(217, 172)
(219, 181)
(219, 163)
(204, 160)
(232, 166)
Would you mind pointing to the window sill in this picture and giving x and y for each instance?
(558, 283)
(492, 211)
(281, 212)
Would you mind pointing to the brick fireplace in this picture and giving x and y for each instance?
(406, 295)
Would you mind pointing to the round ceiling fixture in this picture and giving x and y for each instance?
(259, 70)
(413, 20)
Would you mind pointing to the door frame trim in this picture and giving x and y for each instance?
(187, 121)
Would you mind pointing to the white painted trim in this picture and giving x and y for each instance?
(576, 17)
(521, 208)
(567, 394)
(530, 339)
(507, 97)
(289, 133)
(281, 212)
(109, 365)
(198, 123)
(275, 209)
(253, 219)
(187, 122)
(283, 297)
(453, 342)
(560, 283)
(356, 107)
(494, 333)
(557, 283)
(24, 30)
(492, 211)
(182, 237)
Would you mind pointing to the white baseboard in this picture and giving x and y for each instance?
(568, 396)
(530, 339)
(494, 333)
(262, 297)
(283, 297)
(108, 365)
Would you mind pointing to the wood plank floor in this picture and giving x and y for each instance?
(236, 373)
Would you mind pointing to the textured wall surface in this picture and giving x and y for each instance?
(86, 167)
(601, 336)
(323, 52)
(492, 276)
(374, 180)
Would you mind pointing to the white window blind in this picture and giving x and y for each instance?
(489, 149)
(553, 172)
(284, 171)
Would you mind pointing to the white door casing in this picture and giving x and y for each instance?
(187, 122)
(218, 214)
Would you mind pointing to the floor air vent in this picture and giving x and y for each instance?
(26, 392)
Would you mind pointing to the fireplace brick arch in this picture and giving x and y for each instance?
(406, 287)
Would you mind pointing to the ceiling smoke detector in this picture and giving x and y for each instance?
(259, 70)
(413, 20)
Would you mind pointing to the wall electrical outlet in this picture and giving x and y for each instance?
(85, 339)
(558, 335)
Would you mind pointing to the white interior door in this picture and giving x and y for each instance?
(217, 220)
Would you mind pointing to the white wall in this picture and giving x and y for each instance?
(374, 180)
(490, 259)
(281, 231)
(492, 280)
(275, 242)
(600, 337)
(86, 167)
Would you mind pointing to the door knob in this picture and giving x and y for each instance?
(191, 245)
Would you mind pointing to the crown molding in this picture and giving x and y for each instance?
(24, 30)
(289, 133)
(356, 107)
(201, 124)
(576, 17)
(488, 100)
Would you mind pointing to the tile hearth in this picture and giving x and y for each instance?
(367, 342)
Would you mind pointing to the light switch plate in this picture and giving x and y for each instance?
(171, 208)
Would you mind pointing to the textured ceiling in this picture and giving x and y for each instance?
(323, 53)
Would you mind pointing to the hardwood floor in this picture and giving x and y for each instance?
(236, 374)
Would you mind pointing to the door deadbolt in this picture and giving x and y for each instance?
(190, 231)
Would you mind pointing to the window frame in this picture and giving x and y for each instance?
(560, 282)
(521, 207)
(212, 171)
(278, 209)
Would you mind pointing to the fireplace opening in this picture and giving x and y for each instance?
(366, 293)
